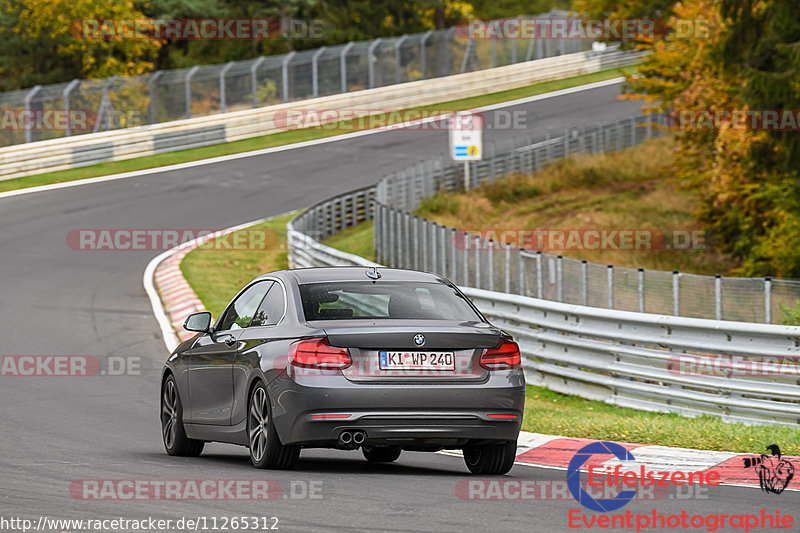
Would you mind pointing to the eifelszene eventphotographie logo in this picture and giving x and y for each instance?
(774, 472)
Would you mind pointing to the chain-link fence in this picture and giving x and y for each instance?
(165, 95)
(407, 241)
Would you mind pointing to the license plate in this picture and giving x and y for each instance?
(417, 360)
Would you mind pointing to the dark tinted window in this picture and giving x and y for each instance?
(241, 312)
(404, 300)
(272, 308)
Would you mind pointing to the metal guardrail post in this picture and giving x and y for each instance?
(508, 268)
(343, 65)
(467, 52)
(718, 297)
(285, 75)
(423, 56)
(559, 278)
(675, 293)
(371, 59)
(315, 72)
(416, 243)
(523, 289)
(223, 86)
(584, 282)
(65, 96)
(398, 57)
(610, 277)
(254, 79)
(28, 97)
(641, 290)
(768, 300)
(494, 52)
(539, 280)
(188, 90)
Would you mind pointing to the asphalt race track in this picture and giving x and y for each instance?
(59, 301)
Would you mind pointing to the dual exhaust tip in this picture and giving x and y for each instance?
(351, 439)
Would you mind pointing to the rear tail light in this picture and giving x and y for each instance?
(317, 353)
(502, 357)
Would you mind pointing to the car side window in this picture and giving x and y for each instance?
(241, 312)
(272, 308)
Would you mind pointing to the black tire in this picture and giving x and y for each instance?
(266, 449)
(172, 431)
(493, 460)
(381, 454)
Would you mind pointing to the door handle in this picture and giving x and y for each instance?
(227, 339)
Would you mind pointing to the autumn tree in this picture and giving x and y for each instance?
(43, 43)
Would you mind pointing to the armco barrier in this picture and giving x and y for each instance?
(82, 150)
(646, 361)
(737, 371)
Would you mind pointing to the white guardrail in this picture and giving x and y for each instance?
(646, 361)
(117, 145)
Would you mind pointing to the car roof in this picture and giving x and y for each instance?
(328, 274)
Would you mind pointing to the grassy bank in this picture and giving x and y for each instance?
(290, 137)
(632, 189)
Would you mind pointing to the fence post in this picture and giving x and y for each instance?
(371, 61)
(584, 282)
(641, 290)
(768, 300)
(188, 90)
(416, 242)
(222, 86)
(28, 98)
(559, 279)
(539, 282)
(454, 267)
(398, 73)
(610, 276)
(376, 233)
(434, 258)
(675, 293)
(343, 64)
(151, 96)
(424, 239)
(254, 79)
(523, 290)
(65, 95)
(718, 297)
(494, 52)
(285, 75)
(508, 269)
(490, 265)
(465, 257)
(423, 59)
(478, 244)
(315, 72)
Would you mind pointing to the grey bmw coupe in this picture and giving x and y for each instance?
(384, 360)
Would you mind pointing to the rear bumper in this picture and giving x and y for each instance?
(413, 416)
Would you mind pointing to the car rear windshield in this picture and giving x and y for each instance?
(379, 300)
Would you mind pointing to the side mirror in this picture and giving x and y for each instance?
(198, 322)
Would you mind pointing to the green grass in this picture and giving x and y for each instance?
(558, 414)
(289, 137)
(357, 240)
(216, 274)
